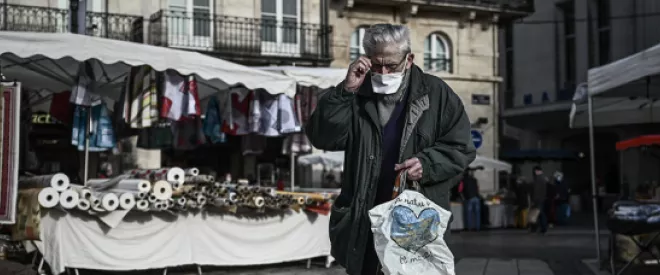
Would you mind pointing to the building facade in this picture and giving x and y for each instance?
(456, 40)
(545, 56)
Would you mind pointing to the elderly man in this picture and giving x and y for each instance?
(388, 116)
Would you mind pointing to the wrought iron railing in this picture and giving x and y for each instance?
(33, 19)
(115, 26)
(240, 36)
(515, 5)
(45, 19)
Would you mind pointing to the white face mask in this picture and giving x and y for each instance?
(387, 84)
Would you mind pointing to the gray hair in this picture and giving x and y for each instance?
(379, 36)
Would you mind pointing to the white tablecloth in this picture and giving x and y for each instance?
(146, 241)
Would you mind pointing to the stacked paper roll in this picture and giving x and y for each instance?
(49, 197)
(109, 201)
(59, 181)
(192, 172)
(142, 205)
(126, 201)
(134, 185)
(84, 204)
(69, 199)
(172, 174)
(162, 190)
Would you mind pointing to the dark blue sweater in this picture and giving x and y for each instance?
(392, 133)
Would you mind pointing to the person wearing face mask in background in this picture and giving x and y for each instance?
(388, 116)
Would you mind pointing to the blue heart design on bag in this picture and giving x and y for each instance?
(412, 232)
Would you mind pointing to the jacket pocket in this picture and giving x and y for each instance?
(340, 230)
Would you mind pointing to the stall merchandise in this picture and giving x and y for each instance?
(631, 219)
(168, 189)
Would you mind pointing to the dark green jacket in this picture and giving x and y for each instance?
(437, 131)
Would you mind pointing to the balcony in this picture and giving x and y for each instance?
(249, 41)
(503, 6)
(44, 19)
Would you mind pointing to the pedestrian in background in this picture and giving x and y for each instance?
(538, 211)
(472, 202)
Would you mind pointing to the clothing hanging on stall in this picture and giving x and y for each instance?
(81, 93)
(236, 120)
(212, 124)
(142, 97)
(287, 117)
(264, 113)
(102, 137)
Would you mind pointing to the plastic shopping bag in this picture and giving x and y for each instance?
(408, 235)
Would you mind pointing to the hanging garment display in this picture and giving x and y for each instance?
(188, 133)
(102, 136)
(158, 136)
(236, 119)
(287, 117)
(213, 121)
(180, 97)
(264, 113)
(81, 93)
(142, 97)
(60, 108)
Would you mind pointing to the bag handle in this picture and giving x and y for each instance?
(401, 184)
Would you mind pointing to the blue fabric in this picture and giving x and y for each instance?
(392, 132)
(473, 213)
(213, 122)
(102, 137)
(412, 232)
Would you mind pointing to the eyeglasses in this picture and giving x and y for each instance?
(390, 67)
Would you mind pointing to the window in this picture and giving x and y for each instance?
(280, 29)
(604, 27)
(356, 43)
(190, 23)
(508, 66)
(568, 9)
(437, 53)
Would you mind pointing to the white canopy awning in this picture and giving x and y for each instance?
(330, 160)
(306, 76)
(50, 61)
(617, 111)
(633, 76)
(486, 162)
(333, 160)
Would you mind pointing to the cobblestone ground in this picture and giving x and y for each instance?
(560, 252)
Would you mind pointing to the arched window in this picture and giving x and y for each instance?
(437, 53)
(356, 43)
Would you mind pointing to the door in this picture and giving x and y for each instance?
(190, 24)
(280, 27)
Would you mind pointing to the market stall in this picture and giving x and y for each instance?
(618, 83)
(181, 217)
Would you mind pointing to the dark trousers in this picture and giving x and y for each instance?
(542, 221)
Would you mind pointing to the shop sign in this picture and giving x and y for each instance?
(43, 118)
(478, 99)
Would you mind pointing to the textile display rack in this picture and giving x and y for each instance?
(626, 220)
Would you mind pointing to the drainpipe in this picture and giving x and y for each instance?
(4, 25)
(106, 28)
(325, 22)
